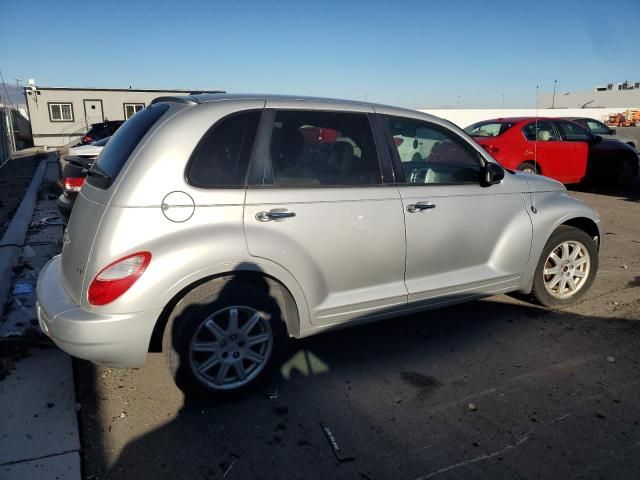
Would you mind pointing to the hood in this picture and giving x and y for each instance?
(538, 183)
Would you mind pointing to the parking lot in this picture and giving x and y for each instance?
(496, 388)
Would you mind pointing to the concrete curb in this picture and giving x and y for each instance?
(16, 232)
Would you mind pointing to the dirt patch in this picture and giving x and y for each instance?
(15, 177)
(10, 353)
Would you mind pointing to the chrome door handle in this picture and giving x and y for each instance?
(274, 215)
(420, 206)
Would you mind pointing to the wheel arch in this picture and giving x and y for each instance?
(275, 288)
(535, 163)
(585, 224)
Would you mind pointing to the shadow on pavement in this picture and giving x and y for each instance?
(485, 389)
(630, 193)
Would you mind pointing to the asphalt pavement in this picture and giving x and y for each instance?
(496, 388)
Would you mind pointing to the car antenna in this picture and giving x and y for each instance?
(535, 157)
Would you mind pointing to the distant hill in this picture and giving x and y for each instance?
(16, 95)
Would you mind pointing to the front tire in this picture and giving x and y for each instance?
(626, 173)
(566, 269)
(223, 339)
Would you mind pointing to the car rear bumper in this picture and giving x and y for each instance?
(113, 340)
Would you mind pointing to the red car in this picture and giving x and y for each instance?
(556, 148)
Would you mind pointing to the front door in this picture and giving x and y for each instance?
(322, 211)
(463, 239)
(93, 111)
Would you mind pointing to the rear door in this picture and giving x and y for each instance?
(578, 137)
(555, 157)
(318, 206)
(463, 239)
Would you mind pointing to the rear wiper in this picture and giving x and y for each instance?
(96, 172)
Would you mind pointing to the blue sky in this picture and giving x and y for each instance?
(410, 53)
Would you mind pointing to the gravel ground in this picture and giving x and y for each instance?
(495, 388)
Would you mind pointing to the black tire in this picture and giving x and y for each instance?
(188, 318)
(562, 234)
(626, 172)
(525, 166)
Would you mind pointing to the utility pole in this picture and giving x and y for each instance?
(553, 99)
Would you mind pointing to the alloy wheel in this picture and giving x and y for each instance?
(231, 347)
(566, 269)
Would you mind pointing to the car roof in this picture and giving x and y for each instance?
(205, 98)
(515, 119)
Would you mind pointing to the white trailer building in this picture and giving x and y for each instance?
(60, 115)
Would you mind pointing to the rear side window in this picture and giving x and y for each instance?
(122, 143)
(488, 129)
(222, 156)
(542, 130)
(313, 148)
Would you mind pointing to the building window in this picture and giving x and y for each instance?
(61, 112)
(131, 108)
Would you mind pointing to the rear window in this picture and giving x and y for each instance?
(121, 144)
(488, 129)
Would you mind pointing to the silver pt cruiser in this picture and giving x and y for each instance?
(214, 226)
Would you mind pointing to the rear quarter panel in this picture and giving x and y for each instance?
(211, 242)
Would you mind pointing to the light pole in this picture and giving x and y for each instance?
(553, 99)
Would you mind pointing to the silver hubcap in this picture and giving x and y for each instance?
(231, 347)
(566, 269)
(529, 170)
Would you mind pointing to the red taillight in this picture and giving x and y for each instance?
(73, 184)
(87, 139)
(491, 149)
(117, 277)
(398, 141)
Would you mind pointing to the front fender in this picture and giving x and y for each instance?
(552, 210)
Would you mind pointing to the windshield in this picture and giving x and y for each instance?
(488, 129)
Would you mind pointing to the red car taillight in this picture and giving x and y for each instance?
(398, 141)
(491, 149)
(87, 139)
(73, 184)
(116, 278)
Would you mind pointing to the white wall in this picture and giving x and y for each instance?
(465, 117)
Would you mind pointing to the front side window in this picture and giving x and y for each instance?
(572, 132)
(431, 154)
(222, 156)
(542, 131)
(61, 112)
(312, 148)
(130, 109)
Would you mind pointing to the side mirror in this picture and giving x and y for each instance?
(612, 131)
(492, 174)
